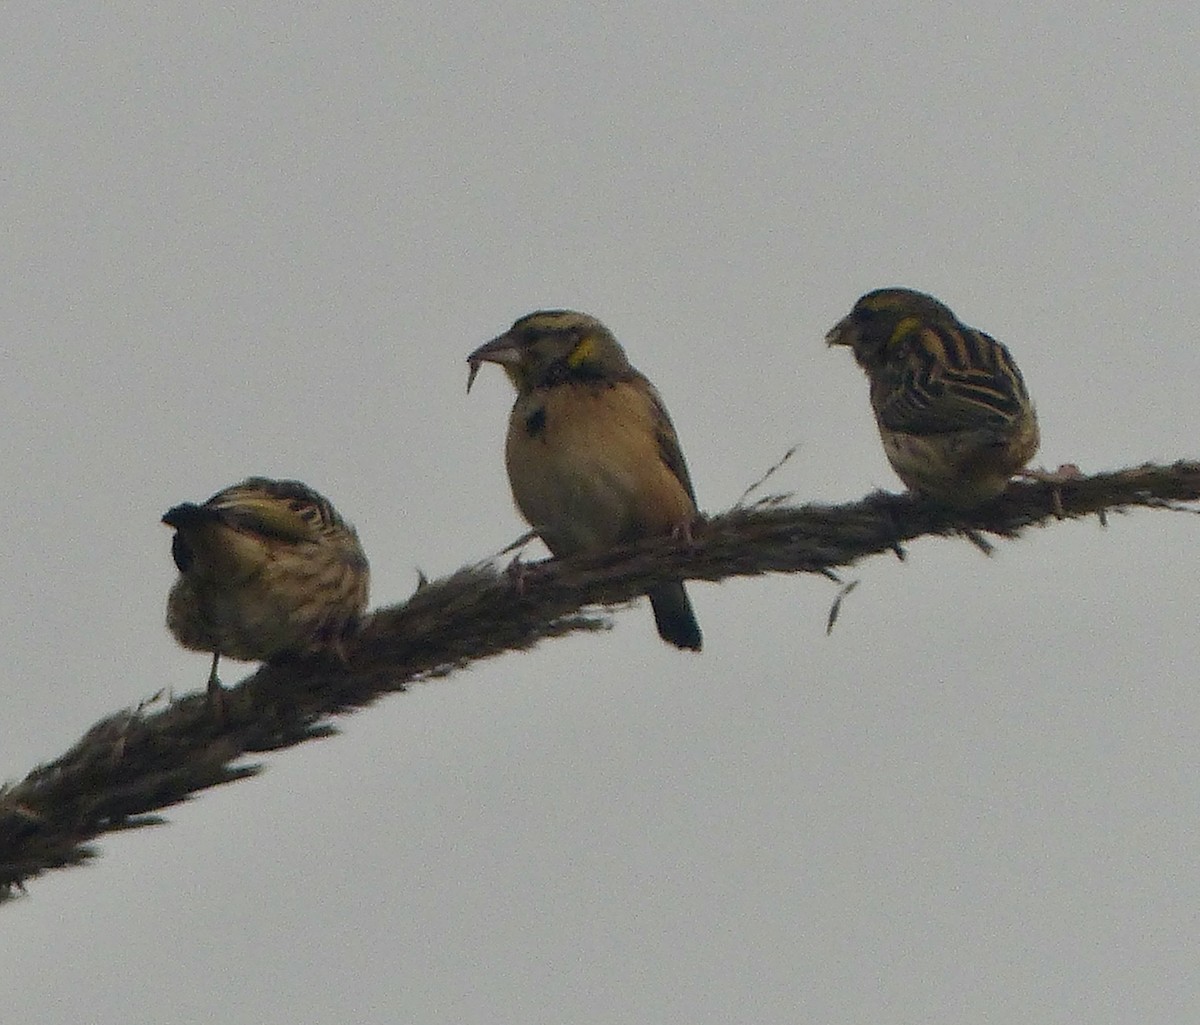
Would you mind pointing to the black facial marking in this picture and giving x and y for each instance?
(181, 553)
(535, 422)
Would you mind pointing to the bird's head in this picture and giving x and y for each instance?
(881, 321)
(230, 533)
(551, 347)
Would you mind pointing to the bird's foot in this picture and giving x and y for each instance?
(1055, 478)
(519, 574)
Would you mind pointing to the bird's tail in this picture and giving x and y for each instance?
(674, 617)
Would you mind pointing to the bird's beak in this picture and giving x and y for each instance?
(502, 350)
(842, 333)
(187, 515)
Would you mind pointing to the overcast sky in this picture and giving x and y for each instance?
(250, 241)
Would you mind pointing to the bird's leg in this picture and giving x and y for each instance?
(519, 573)
(682, 532)
(893, 524)
(216, 693)
(686, 530)
(1056, 479)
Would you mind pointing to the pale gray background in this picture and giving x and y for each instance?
(262, 240)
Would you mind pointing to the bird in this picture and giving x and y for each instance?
(953, 413)
(266, 568)
(592, 456)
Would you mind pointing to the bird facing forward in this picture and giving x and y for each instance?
(953, 413)
(592, 456)
(266, 568)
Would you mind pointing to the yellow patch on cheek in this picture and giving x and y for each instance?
(906, 327)
(582, 352)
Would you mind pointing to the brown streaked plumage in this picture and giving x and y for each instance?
(953, 414)
(266, 568)
(592, 456)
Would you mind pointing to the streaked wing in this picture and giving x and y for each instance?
(952, 381)
(668, 441)
(282, 510)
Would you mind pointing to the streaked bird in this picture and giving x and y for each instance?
(953, 414)
(592, 456)
(266, 568)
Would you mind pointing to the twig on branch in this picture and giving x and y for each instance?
(140, 761)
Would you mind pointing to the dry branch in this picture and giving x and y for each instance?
(140, 761)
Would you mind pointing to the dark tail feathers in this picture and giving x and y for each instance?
(674, 617)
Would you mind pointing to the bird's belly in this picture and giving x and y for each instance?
(295, 605)
(594, 477)
(574, 501)
(242, 623)
(961, 469)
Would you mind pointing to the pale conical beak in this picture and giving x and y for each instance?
(502, 350)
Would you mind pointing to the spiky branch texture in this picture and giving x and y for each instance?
(137, 762)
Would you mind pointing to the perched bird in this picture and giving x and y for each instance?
(592, 456)
(266, 567)
(953, 413)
